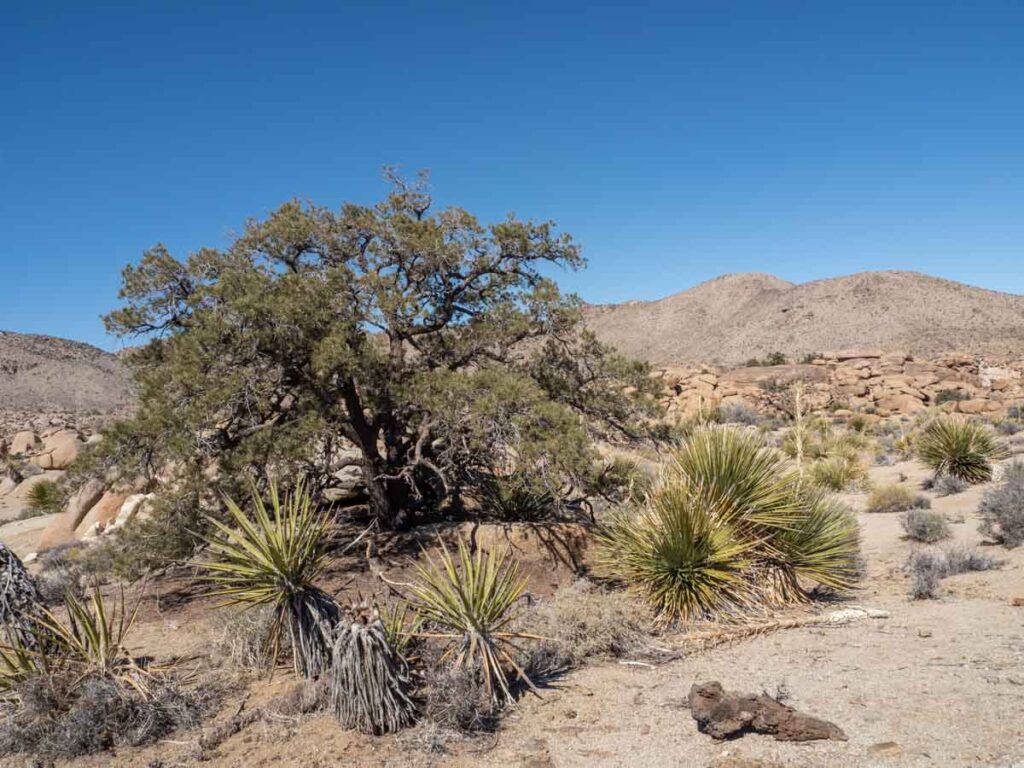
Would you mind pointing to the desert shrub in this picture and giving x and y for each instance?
(580, 622)
(472, 603)
(929, 566)
(81, 691)
(924, 526)
(1002, 508)
(275, 559)
(945, 485)
(960, 448)
(950, 396)
(1008, 428)
(837, 473)
(728, 528)
(738, 413)
(102, 716)
(456, 700)
(859, 423)
(895, 498)
(243, 639)
(520, 496)
(44, 498)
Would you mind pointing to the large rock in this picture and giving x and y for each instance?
(24, 442)
(900, 403)
(135, 507)
(724, 715)
(101, 514)
(62, 529)
(59, 450)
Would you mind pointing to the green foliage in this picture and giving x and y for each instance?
(471, 602)
(837, 472)
(45, 498)
(433, 344)
(67, 652)
(963, 449)
(275, 559)
(950, 396)
(730, 527)
(772, 358)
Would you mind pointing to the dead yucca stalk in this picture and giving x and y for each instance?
(369, 680)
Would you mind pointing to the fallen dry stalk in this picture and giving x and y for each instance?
(706, 639)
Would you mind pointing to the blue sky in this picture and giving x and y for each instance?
(676, 141)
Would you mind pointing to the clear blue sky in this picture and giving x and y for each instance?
(674, 140)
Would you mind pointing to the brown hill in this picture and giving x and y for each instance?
(736, 317)
(44, 374)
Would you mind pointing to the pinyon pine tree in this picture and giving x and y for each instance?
(428, 350)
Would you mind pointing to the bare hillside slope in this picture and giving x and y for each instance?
(43, 373)
(735, 317)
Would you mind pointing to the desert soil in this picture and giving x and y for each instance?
(938, 683)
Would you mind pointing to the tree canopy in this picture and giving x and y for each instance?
(428, 350)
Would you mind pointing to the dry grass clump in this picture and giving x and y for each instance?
(243, 640)
(838, 473)
(894, 498)
(959, 448)
(456, 701)
(928, 567)
(580, 622)
(924, 526)
(75, 689)
(730, 528)
(1002, 508)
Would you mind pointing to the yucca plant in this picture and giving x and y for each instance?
(92, 640)
(954, 446)
(88, 644)
(681, 553)
(401, 625)
(44, 498)
(821, 547)
(275, 558)
(369, 679)
(471, 603)
(729, 528)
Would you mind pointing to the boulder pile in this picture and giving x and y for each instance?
(871, 381)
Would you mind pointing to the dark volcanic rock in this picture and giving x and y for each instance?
(724, 715)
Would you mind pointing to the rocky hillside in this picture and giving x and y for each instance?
(733, 318)
(42, 375)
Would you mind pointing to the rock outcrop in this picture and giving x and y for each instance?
(871, 381)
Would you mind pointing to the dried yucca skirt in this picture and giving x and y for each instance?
(368, 680)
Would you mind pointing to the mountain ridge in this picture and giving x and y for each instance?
(734, 317)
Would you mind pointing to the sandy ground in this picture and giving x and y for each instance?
(939, 683)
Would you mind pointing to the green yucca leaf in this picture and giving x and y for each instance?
(729, 528)
(275, 558)
(681, 552)
(954, 446)
(472, 601)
